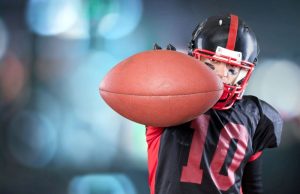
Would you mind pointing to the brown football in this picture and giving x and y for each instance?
(161, 88)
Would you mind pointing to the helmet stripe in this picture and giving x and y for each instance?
(234, 23)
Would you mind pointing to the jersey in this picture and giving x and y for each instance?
(209, 153)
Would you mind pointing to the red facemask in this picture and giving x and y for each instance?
(231, 93)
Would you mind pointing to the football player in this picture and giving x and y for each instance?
(219, 151)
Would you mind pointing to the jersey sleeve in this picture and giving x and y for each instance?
(269, 128)
(153, 135)
(252, 177)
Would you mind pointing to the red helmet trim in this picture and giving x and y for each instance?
(233, 28)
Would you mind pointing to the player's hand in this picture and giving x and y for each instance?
(156, 47)
(169, 47)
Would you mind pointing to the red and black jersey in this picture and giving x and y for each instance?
(208, 154)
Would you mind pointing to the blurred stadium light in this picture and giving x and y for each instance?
(13, 78)
(122, 19)
(3, 38)
(101, 183)
(32, 139)
(55, 129)
(51, 17)
(277, 82)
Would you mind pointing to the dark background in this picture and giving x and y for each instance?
(57, 136)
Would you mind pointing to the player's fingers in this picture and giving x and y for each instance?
(156, 47)
(171, 47)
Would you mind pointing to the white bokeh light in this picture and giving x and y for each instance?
(51, 17)
(80, 30)
(277, 82)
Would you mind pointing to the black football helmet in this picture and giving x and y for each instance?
(230, 40)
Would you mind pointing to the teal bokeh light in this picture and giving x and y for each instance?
(51, 17)
(121, 20)
(90, 130)
(101, 183)
(32, 139)
(83, 86)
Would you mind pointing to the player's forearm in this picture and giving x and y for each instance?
(252, 177)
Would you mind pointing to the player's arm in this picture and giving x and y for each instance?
(267, 135)
(153, 135)
(252, 177)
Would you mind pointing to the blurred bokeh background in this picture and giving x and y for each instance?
(57, 136)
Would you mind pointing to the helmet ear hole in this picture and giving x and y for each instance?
(255, 61)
